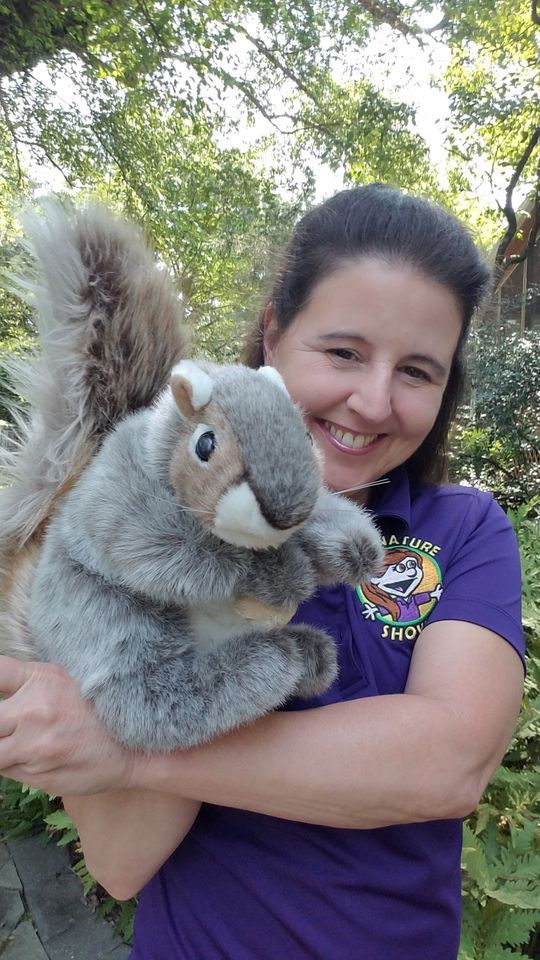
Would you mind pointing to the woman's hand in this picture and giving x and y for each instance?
(50, 737)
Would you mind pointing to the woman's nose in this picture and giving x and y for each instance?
(371, 396)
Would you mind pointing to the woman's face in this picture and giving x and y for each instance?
(368, 359)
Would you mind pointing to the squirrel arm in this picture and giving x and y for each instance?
(169, 560)
(341, 540)
(281, 577)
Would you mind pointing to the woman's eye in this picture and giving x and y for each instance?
(416, 373)
(205, 446)
(343, 353)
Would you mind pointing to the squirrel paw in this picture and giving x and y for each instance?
(343, 542)
(263, 614)
(319, 655)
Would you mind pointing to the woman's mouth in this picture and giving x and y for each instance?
(347, 440)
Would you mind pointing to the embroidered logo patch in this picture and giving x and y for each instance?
(405, 593)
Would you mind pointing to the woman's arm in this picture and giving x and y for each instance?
(51, 738)
(426, 754)
(126, 835)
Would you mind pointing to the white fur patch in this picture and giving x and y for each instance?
(238, 520)
(272, 374)
(201, 384)
(215, 622)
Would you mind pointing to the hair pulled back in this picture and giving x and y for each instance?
(378, 221)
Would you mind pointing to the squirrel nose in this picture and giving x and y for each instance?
(239, 520)
(283, 521)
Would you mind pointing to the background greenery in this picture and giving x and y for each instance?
(211, 123)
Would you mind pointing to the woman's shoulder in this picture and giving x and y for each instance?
(462, 498)
(449, 504)
(461, 514)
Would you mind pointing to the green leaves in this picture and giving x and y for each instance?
(501, 899)
(497, 441)
(501, 840)
(22, 809)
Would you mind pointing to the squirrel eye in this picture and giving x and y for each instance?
(205, 446)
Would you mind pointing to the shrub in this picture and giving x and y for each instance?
(501, 850)
(496, 442)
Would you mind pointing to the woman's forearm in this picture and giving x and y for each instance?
(340, 765)
(422, 755)
(127, 834)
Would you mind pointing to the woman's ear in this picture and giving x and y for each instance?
(270, 334)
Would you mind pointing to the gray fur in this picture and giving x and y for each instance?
(276, 431)
(136, 596)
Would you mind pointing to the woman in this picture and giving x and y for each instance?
(330, 829)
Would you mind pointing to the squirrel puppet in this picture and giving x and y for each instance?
(160, 519)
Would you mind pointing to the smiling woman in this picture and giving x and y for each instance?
(352, 360)
(331, 829)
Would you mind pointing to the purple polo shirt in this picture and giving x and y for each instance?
(244, 886)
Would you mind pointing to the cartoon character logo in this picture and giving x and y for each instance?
(406, 591)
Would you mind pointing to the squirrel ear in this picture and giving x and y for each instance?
(272, 374)
(191, 387)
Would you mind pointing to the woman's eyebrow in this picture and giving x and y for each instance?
(343, 335)
(439, 367)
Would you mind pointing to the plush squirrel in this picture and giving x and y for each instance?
(163, 518)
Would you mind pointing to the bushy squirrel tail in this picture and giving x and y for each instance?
(110, 330)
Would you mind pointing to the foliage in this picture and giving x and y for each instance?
(23, 809)
(501, 851)
(33, 30)
(497, 441)
(146, 105)
(492, 83)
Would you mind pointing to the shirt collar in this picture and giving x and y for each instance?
(392, 500)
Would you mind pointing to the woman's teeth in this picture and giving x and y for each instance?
(354, 441)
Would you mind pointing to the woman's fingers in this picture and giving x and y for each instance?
(13, 674)
(50, 736)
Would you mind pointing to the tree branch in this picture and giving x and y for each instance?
(38, 145)
(244, 87)
(271, 57)
(391, 15)
(146, 13)
(508, 208)
(13, 132)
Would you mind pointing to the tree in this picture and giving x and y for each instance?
(146, 103)
(139, 101)
(492, 82)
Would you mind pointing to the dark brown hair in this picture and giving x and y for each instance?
(380, 221)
